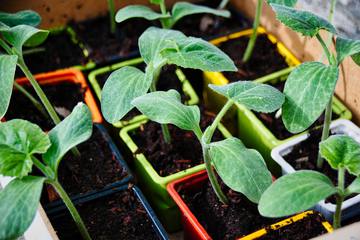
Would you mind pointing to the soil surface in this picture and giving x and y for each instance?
(64, 98)
(103, 45)
(265, 58)
(117, 216)
(182, 153)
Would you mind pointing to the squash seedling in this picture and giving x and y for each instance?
(21, 142)
(301, 190)
(179, 10)
(158, 47)
(310, 87)
(241, 169)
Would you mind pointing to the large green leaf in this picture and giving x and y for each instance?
(73, 130)
(288, 3)
(24, 35)
(19, 202)
(354, 187)
(166, 107)
(308, 90)
(19, 139)
(255, 96)
(295, 192)
(347, 47)
(342, 151)
(300, 21)
(243, 170)
(120, 89)
(26, 17)
(7, 74)
(182, 9)
(138, 11)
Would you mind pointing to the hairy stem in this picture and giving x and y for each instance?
(339, 198)
(111, 7)
(329, 56)
(325, 131)
(74, 213)
(223, 4)
(252, 41)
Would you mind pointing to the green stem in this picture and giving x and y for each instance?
(111, 7)
(329, 56)
(4, 45)
(74, 213)
(252, 41)
(33, 50)
(165, 23)
(223, 4)
(44, 169)
(217, 119)
(275, 75)
(339, 198)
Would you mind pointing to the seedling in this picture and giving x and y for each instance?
(242, 169)
(301, 190)
(158, 47)
(179, 10)
(21, 143)
(310, 87)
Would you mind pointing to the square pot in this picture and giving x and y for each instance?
(153, 184)
(186, 86)
(350, 207)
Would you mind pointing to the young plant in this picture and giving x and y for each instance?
(158, 47)
(111, 7)
(179, 10)
(21, 143)
(310, 87)
(301, 190)
(242, 169)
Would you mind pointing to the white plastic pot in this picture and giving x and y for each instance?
(350, 207)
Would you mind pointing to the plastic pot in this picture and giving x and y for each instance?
(158, 228)
(187, 88)
(118, 157)
(153, 184)
(351, 206)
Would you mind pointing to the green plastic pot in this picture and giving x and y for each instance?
(187, 88)
(154, 186)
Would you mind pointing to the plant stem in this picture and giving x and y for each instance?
(329, 56)
(275, 75)
(325, 131)
(223, 4)
(218, 118)
(33, 50)
(339, 198)
(111, 7)
(74, 213)
(164, 22)
(44, 169)
(252, 41)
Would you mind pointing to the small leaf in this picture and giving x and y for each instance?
(166, 107)
(73, 130)
(356, 58)
(26, 17)
(23, 35)
(19, 202)
(19, 139)
(346, 47)
(308, 90)
(300, 21)
(138, 11)
(342, 151)
(243, 170)
(255, 96)
(7, 74)
(354, 187)
(122, 86)
(182, 9)
(288, 3)
(294, 193)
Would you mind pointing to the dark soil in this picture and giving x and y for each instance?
(183, 153)
(265, 58)
(104, 46)
(303, 229)
(276, 125)
(117, 216)
(64, 98)
(304, 156)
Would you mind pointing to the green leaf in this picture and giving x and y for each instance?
(342, 151)
(7, 74)
(308, 90)
(255, 96)
(294, 193)
(23, 35)
(73, 130)
(19, 202)
(354, 187)
(356, 58)
(26, 17)
(120, 89)
(182, 9)
(288, 3)
(158, 2)
(138, 11)
(346, 47)
(243, 170)
(19, 139)
(166, 107)
(300, 21)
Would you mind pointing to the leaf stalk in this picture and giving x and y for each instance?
(339, 198)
